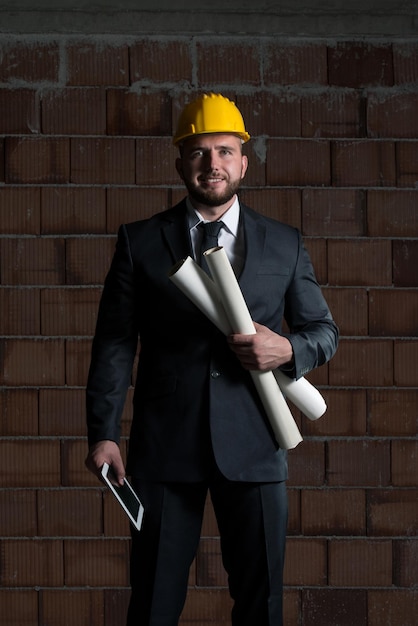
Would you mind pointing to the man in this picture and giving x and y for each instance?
(198, 423)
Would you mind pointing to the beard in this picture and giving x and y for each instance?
(211, 197)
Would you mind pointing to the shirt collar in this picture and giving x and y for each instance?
(230, 218)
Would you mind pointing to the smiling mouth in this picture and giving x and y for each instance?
(211, 180)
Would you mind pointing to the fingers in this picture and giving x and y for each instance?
(105, 452)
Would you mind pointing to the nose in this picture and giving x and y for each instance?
(211, 161)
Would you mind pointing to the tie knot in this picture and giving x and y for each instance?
(211, 229)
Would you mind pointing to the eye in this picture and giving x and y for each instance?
(196, 154)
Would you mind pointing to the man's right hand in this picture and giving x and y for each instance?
(105, 452)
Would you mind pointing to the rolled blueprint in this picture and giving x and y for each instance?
(303, 395)
(203, 292)
(281, 420)
(189, 277)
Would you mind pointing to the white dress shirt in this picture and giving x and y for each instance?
(231, 236)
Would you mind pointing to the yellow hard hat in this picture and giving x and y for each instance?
(211, 113)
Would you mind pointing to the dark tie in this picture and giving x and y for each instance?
(209, 239)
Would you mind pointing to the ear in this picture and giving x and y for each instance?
(179, 167)
(244, 165)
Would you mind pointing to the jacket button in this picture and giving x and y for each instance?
(215, 374)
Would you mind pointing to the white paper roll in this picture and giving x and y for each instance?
(284, 426)
(303, 395)
(202, 291)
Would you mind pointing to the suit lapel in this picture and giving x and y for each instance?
(175, 232)
(255, 234)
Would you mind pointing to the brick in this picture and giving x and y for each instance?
(32, 261)
(62, 412)
(37, 160)
(115, 521)
(364, 463)
(332, 114)
(131, 113)
(209, 571)
(333, 512)
(405, 261)
(20, 210)
(360, 64)
(298, 162)
(344, 607)
(392, 512)
(73, 210)
(69, 311)
(88, 260)
(97, 64)
(295, 64)
(212, 606)
(405, 62)
(18, 513)
(307, 464)
(406, 363)
(36, 62)
(294, 505)
(360, 262)
(2, 161)
(38, 465)
(306, 562)
(104, 160)
(116, 605)
(223, 64)
(70, 512)
(392, 412)
(291, 606)
(363, 163)
(405, 564)
(77, 360)
(153, 61)
(392, 115)
(19, 355)
(407, 163)
(31, 563)
(345, 415)
(96, 563)
(333, 212)
(19, 607)
(74, 112)
(83, 607)
(20, 112)
(19, 412)
(363, 363)
(392, 312)
(396, 607)
(155, 158)
(360, 563)
(317, 249)
(257, 112)
(349, 308)
(405, 462)
(129, 204)
(19, 311)
(280, 204)
(392, 213)
(256, 151)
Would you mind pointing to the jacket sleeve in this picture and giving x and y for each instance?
(114, 347)
(313, 333)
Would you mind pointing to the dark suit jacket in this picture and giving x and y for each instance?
(190, 388)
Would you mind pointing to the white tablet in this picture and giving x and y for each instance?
(125, 495)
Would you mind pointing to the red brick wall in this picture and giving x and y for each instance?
(85, 129)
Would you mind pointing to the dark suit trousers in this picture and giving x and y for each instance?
(252, 521)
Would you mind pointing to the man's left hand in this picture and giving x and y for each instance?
(263, 351)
